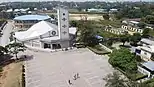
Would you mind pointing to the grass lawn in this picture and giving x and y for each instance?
(11, 75)
(98, 50)
(151, 32)
(115, 23)
(150, 82)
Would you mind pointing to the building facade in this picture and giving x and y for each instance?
(131, 26)
(47, 35)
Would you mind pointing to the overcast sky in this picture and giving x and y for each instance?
(68, 0)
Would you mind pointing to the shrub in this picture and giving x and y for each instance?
(1, 68)
(138, 58)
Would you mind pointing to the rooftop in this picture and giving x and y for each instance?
(147, 41)
(149, 65)
(32, 17)
(148, 48)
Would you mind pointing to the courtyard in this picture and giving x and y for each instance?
(54, 69)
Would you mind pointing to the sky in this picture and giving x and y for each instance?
(69, 0)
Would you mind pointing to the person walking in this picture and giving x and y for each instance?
(77, 75)
(69, 82)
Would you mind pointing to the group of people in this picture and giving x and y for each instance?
(75, 77)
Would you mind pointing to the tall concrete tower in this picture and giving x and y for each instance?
(63, 27)
(63, 23)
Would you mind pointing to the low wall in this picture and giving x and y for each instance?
(106, 48)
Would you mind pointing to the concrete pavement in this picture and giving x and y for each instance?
(4, 40)
(55, 69)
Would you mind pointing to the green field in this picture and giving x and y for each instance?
(115, 23)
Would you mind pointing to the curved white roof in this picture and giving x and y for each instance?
(36, 30)
(32, 17)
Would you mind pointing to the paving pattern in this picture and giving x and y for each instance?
(55, 69)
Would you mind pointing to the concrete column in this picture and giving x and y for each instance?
(41, 45)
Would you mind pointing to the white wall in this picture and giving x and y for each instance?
(143, 71)
(63, 23)
(145, 54)
(48, 34)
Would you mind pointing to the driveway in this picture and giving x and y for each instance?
(4, 40)
(55, 69)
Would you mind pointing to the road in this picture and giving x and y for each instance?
(4, 40)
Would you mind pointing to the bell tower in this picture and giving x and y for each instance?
(63, 24)
(63, 27)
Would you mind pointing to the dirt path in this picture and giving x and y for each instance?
(11, 75)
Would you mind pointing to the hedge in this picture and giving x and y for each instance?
(1, 68)
(98, 51)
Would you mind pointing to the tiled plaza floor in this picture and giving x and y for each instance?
(55, 69)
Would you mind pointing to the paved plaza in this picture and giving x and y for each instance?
(48, 69)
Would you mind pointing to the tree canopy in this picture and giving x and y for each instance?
(3, 50)
(149, 19)
(114, 80)
(15, 48)
(117, 80)
(135, 39)
(87, 34)
(123, 59)
(106, 16)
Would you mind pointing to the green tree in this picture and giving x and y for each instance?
(149, 19)
(135, 39)
(117, 80)
(141, 25)
(73, 23)
(15, 48)
(124, 38)
(123, 59)
(87, 34)
(79, 9)
(106, 16)
(114, 80)
(52, 16)
(109, 42)
(3, 51)
(145, 32)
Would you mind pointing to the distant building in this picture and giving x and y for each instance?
(113, 10)
(97, 10)
(26, 21)
(131, 25)
(118, 31)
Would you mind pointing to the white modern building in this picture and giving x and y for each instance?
(147, 68)
(146, 51)
(47, 35)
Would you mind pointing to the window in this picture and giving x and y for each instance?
(145, 53)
